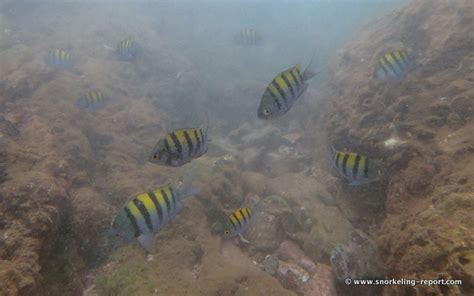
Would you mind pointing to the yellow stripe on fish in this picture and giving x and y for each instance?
(180, 147)
(238, 221)
(357, 168)
(151, 210)
(146, 213)
(128, 49)
(58, 58)
(282, 92)
(92, 100)
(392, 65)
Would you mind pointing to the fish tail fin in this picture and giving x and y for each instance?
(310, 70)
(185, 186)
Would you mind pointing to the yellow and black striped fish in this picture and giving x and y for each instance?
(393, 65)
(92, 101)
(180, 147)
(283, 91)
(239, 221)
(148, 212)
(249, 36)
(356, 168)
(58, 58)
(128, 49)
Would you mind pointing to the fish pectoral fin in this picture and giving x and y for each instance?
(146, 241)
(243, 240)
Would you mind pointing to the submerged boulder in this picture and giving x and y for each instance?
(330, 229)
(358, 259)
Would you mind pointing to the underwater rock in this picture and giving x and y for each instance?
(287, 218)
(254, 182)
(31, 231)
(283, 160)
(330, 229)
(270, 264)
(322, 283)
(292, 276)
(265, 235)
(358, 260)
(291, 252)
(91, 219)
(430, 109)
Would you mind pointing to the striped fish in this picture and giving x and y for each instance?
(180, 147)
(128, 49)
(357, 168)
(147, 213)
(248, 36)
(393, 65)
(283, 91)
(58, 58)
(92, 101)
(240, 220)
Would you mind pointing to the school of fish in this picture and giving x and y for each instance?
(143, 215)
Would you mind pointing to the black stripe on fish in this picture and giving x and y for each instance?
(277, 102)
(249, 212)
(295, 79)
(338, 155)
(167, 201)
(355, 169)
(168, 151)
(238, 221)
(159, 210)
(288, 83)
(299, 76)
(190, 143)
(144, 212)
(366, 168)
(133, 221)
(203, 138)
(404, 55)
(173, 197)
(233, 224)
(198, 141)
(385, 70)
(344, 163)
(397, 61)
(243, 215)
(177, 144)
(389, 64)
(282, 94)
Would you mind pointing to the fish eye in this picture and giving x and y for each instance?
(380, 172)
(266, 111)
(155, 156)
(226, 232)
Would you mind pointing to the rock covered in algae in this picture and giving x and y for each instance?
(322, 283)
(292, 276)
(265, 235)
(290, 252)
(329, 230)
(357, 260)
(433, 170)
(270, 264)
